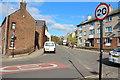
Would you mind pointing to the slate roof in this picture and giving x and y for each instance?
(40, 23)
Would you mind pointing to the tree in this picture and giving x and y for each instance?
(72, 40)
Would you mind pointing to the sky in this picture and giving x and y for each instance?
(61, 17)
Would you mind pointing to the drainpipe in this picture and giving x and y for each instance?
(6, 30)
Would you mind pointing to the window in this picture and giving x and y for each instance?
(108, 29)
(109, 18)
(119, 40)
(13, 25)
(92, 32)
(119, 16)
(98, 30)
(80, 33)
(108, 40)
(11, 44)
(85, 33)
(98, 40)
(80, 26)
(92, 23)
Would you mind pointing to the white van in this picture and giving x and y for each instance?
(49, 46)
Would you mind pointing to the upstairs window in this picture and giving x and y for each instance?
(109, 18)
(80, 33)
(92, 23)
(13, 25)
(85, 33)
(98, 30)
(92, 32)
(119, 16)
(108, 29)
(80, 26)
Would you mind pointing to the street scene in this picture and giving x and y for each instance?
(59, 40)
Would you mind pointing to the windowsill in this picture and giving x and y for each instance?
(108, 32)
(11, 48)
(108, 21)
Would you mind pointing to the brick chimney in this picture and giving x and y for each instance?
(23, 5)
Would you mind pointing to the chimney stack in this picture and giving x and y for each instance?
(89, 17)
(23, 5)
(110, 8)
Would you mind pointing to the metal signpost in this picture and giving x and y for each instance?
(101, 13)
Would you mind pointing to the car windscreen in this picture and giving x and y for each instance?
(49, 44)
(117, 50)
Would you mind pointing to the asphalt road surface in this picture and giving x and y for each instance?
(65, 63)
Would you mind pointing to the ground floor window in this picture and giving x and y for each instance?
(119, 40)
(108, 42)
(98, 41)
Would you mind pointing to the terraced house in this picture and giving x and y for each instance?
(89, 31)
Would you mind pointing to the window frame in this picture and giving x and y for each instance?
(107, 29)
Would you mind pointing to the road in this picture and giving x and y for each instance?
(65, 63)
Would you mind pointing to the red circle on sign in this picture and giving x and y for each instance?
(98, 7)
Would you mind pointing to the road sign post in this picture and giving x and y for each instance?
(101, 13)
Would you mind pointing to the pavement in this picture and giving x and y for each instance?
(22, 56)
(89, 50)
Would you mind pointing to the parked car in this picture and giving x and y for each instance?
(49, 46)
(114, 56)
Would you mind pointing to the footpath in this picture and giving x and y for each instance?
(87, 50)
(21, 56)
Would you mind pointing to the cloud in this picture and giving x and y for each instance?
(8, 8)
(50, 20)
(63, 27)
(78, 16)
(36, 14)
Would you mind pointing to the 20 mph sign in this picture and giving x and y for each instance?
(102, 11)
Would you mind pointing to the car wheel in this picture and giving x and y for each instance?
(44, 51)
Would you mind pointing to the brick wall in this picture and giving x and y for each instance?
(113, 44)
(24, 32)
(40, 36)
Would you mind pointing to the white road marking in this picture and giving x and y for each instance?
(21, 68)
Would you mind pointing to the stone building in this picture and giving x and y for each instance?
(89, 31)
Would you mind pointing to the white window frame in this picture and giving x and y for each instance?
(85, 33)
(13, 26)
(98, 30)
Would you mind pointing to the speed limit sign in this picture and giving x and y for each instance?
(102, 11)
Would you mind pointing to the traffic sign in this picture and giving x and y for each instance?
(102, 11)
